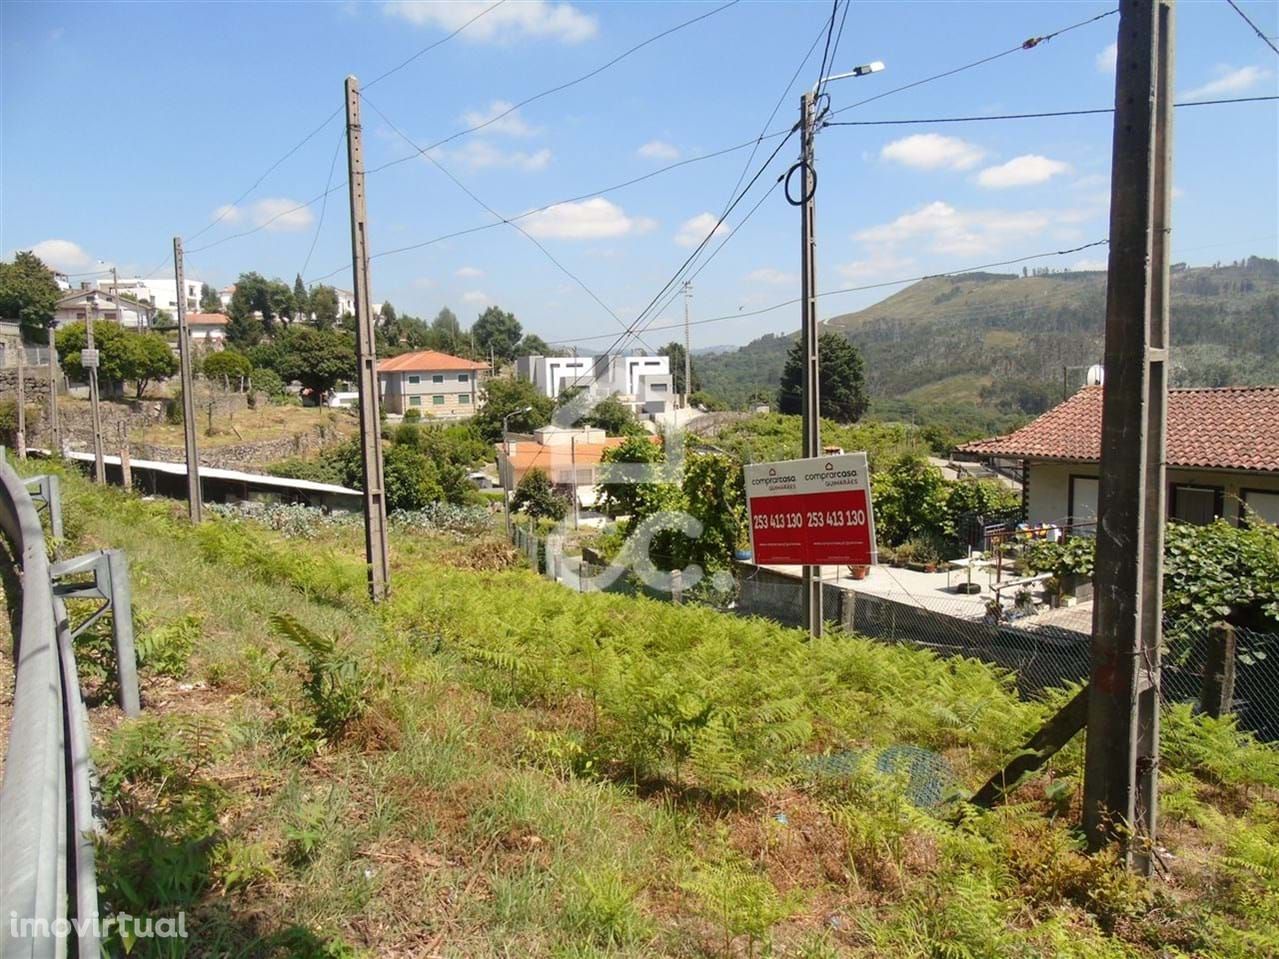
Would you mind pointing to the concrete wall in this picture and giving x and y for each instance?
(1049, 487)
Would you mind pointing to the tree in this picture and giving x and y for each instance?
(324, 307)
(536, 497)
(301, 300)
(497, 331)
(229, 364)
(676, 353)
(280, 300)
(628, 499)
(316, 358)
(163, 320)
(614, 417)
(122, 355)
(28, 292)
(910, 501)
(842, 381)
(210, 302)
(387, 315)
(446, 326)
(506, 396)
(252, 296)
(533, 345)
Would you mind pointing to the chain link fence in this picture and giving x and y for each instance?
(1041, 646)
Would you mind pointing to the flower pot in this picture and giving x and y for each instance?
(858, 572)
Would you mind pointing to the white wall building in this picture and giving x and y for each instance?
(77, 305)
(643, 382)
(162, 293)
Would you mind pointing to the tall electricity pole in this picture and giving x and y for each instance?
(1122, 751)
(811, 384)
(194, 501)
(89, 360)
(54, 427)
(375, 545)
(688, 354)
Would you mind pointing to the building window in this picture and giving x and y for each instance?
(437, 377)
(415, 401)
(1260, 505)
(463, 377)
(414, 379)
(437, 399)
(659, 387)
(464, 398)
(1198, 505)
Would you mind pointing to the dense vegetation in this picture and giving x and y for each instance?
(976, 353)
(489, 765)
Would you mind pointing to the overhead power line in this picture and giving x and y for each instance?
(1030, 116)
(1029, 44)
(1255, 29)
(324, 205)
(743, 314)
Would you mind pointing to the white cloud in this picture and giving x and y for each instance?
(772, 276)
(1106, 59)
(282, 214)
(932, 151)
(588, 220)
(476, 296)
(530, 19)
(941, 228)
(880, 265)
(659, 150)
(482, 155)
(511, 123)
(1086, 264)
(1025, 170)
(63, 256)
(692, 231)
(470, 272)
(227, 213)
(1229, 82)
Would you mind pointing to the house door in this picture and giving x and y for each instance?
(1199, 505)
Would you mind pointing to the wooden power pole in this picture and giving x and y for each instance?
(55, 430)
(194, 502)
(1122, 753)
(89, 360)
(20, 438)
(812, 422)
(375, 544)
(688, 354)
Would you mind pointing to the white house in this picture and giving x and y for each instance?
(642, 382)
(436, 384)
(1221, 457)
(161, 293)
(207, 330)
(78, 304)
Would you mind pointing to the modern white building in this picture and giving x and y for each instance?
(161, 293)
(644, 382)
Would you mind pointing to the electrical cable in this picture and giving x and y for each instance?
(1255, 29)
(830, 31)
(501, 219)
(1031, 116)
(742, 314)
(427, 49)
(337, 148)
(1024, 45)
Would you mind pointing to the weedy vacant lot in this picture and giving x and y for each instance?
(491, 765)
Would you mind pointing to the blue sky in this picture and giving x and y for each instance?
(125, 124)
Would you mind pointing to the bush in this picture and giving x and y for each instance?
(267, 381)
(412, 415)
(535, 497)
(9, 421)
(227, 366)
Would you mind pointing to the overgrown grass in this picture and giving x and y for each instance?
(491, 765)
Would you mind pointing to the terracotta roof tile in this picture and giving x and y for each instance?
(207, 319)
(1226, 428)
(428, 360)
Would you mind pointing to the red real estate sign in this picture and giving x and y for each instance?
(811, 512)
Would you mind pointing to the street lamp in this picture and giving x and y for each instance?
(811, 409)
(506, 444)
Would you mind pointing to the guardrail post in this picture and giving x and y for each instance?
(1218, 692)
(48, 491)
(110, 570)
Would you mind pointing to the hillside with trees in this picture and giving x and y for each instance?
(993, 346)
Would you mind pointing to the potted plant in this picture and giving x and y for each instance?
(858, 572)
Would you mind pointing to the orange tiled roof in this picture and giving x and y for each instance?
(207, 319)
(428, 360)
(1232, 427)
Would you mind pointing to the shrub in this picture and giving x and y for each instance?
(535, 497)
(9, 421)
(412, 415)
(267, 381)
(335, 685)
(226, 365)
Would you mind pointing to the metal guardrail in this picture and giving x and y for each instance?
(47, 875)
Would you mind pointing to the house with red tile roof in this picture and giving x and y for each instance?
(1221, 459)
(436, 384)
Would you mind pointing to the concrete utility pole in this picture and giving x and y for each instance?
(376, 552)
(194, 499)
(54, 428)
(1122, 752)
(89, 360)
(20, 439)
(811, 386)
(688, 353)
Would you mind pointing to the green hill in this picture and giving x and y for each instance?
(997, 343)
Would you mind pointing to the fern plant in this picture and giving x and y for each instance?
(336, 687)
(740, 901)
